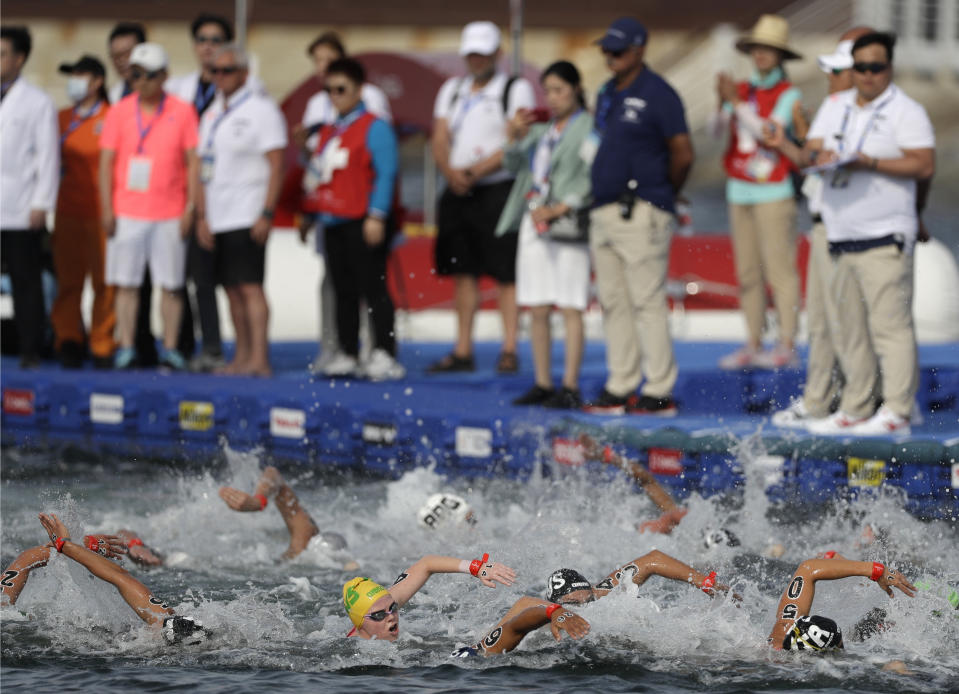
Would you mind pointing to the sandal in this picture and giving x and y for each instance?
(508, 363)
(452, 363)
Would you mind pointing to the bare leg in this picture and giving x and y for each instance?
(258, 317)
(540, 337)
(466, 302)
(573, 320)
(127, 299)
(171, 307)
(241, 327)
(510, 313)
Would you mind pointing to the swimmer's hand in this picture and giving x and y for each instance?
(494, 572)
(239, 501)
(110, 546)
(575, 626)
(894, 579)
(53, 525)
(665, 523)
(591, 448)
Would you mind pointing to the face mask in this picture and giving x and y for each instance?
(77, 88)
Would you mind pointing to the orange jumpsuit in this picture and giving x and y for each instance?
(79, 243)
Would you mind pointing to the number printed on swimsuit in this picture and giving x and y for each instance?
(157, 601)
(790, 611)
(402, 577)
(629, 571)
(605, 584)
(795, 588)
(8, 576)
(493, 637)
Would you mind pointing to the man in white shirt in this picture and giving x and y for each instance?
(469, 133)
(881, 146)
(123, 38)
(30, 169)
(242, 139)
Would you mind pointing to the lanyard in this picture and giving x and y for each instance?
(203, 97)
(550, 140)
(77, 120)
(146, 131)
(862, 139)
(219, 119)
(468, 104)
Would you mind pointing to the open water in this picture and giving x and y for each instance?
(280, 626)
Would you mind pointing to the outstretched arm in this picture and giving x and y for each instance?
(658, 563)
(408, 583)
(527, 615)
(138, 596)
(16, 575)
(797, 599)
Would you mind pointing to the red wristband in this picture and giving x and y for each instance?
(608, 454)
(92, 543)
(477, 564)
(829, 555)
(877, 571)
(261, 499)
(708, 583)
(134, 542)
(58, 543)
(550, 609)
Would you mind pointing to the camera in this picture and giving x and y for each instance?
(627, 201)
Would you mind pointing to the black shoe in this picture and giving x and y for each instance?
(537, 395)
(102, 363)
(565, 399)
(71, 355)
(29, 361)
(607, 403)
(646, 404)
(452, 363)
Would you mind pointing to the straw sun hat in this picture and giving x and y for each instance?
(771, 31)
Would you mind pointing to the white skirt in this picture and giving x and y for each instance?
(550, 273)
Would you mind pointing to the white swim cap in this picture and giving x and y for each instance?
(441, 509)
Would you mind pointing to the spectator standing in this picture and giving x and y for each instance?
(325, 49)
(881, 146)
(79, 243)
(354, 170)
(552, 166)
(469, 132)
(242, 139)
(147, 187)
(30, 168)
(643, 159)
(761, 196)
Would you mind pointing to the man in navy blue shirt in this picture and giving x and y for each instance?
(643, 157)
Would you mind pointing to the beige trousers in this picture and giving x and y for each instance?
(881, 281)
(764, 247)
(630, 258)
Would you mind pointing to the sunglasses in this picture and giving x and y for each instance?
(380, 615)
(874, 68)
(338, 89)
(613, 54)
(137, 74)
(228, 70)
(216, 40)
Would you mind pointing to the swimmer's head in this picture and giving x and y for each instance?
(813, 633)
(184, 630)
(715, 537)
(372, 609)
(446, 509)
(568, 586)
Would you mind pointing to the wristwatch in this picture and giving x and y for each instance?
(267, 213)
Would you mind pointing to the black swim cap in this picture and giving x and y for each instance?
(722, 536)
(813, 633)
(185, 630)
(564, 582)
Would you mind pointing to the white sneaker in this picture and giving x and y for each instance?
(742, 358)
(323, 359)
(916, 418)
(837, 423)
(796, 416)
(778, 357)
(341, 365)
(884, 422)
(383, 367)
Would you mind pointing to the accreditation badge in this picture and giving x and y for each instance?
(206, 168)
(138, 173)
(840, 178)
(760, 165)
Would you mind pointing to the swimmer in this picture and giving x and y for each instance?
(374, 610)
(445, 510)
(796, 629)
(566, 587)
(152, 610)
(137, 551)
(300, 525)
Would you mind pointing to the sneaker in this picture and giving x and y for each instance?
(779, 357)
(71, 355)
(323, 359)
(340, 366)
(125, 358)
(796, 416)
(101, 363)
(884, 422)
(206, 362)
(647, 404)
(607, 403)
(916, 418)
(452, 363)
(537, 395)
(382, 366)
(172, 360)
(742, 358)
(29, 361)
(837, 423)
(565, 399)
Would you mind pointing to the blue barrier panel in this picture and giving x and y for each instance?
(333, 441)
(26, 407)
(771, 390)
(384, 441)
(820, 480)
(719, 473)
(249, 421)
(945, 391)
(68, 408)
(712, 391)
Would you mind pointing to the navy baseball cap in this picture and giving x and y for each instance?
(622, 34)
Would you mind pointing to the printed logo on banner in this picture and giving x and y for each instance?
(568, 452)
(474, 442)
(19, 401)
(666, 461)
(380, 433)
(865, 473)
(106, 408)
(955, 475)
(196, 415)
(287, 423)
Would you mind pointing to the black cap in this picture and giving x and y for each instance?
(563, 582)
(86, 64)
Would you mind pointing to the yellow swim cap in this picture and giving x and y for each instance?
(358, 595)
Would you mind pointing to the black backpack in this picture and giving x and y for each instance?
(504, 100)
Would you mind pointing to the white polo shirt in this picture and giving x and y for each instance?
(873, 204)
(319, 109)
(237, 139)
(476, 120)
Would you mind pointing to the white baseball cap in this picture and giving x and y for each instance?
(840, 59)
(480, 37)
(149, 56)
(440, 509)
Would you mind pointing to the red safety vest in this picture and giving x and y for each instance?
(736, 162)
(347, 193)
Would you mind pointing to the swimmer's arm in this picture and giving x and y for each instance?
(654, 563)
(654, 490)
(410, 581)
(16, 575)
(527, 615)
